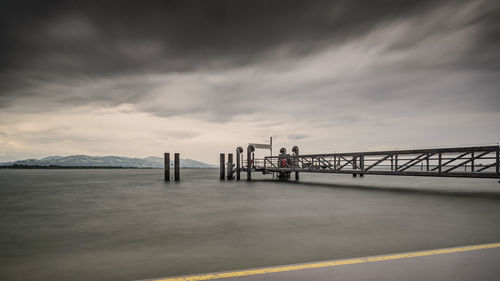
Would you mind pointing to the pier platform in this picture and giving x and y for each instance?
(477, 262)
(464, 162)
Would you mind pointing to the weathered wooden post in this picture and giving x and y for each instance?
(239, 150)
(222, 164)
(295, 151)
(166, 165)
(230, 166)
(177, 167)
(250, 150)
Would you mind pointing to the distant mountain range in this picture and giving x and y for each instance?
(105, 161)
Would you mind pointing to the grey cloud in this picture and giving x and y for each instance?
(297, 136)
(110, 37)
(188, 33)
(178, 134)
(54, 136)
(434, 55)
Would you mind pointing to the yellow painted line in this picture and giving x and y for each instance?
(266, 270)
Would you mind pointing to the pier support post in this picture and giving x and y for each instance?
(295, 150)
(230, 166)
(166, 167)
(239, 150)
(177, 167)
(250, 150)
(222, 164)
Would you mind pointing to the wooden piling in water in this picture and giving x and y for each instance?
(166, 167)
(230, 166)
(250, 150)
(295, 151)
(222, 164)
(177, 167)
(239, 150)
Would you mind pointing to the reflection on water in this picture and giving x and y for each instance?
(129, 224)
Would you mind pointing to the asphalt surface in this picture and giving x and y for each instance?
(483, 264)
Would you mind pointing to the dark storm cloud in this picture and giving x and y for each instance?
(107, 36)
(50, 49)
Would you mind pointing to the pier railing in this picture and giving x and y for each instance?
(477, 162)
(256, 164)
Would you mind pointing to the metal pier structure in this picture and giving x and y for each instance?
(469, 162)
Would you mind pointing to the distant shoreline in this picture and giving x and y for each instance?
(86, 167)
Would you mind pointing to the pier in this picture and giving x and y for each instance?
(468, 162)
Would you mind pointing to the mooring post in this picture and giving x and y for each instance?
(166, 165)
(222, 164)
(229, 166)
(295, 150)
(177, 167)
(249, 165)
(250, 149)
(239, 150)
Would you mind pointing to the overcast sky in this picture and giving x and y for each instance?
(139, 78)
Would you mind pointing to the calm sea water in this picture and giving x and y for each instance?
(129, 224)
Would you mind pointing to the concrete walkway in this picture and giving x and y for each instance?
(478, 262)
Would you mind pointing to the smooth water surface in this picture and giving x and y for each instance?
(128, 224)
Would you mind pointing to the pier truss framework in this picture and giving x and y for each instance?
(472, 162)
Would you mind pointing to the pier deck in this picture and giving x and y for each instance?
(471, 162)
